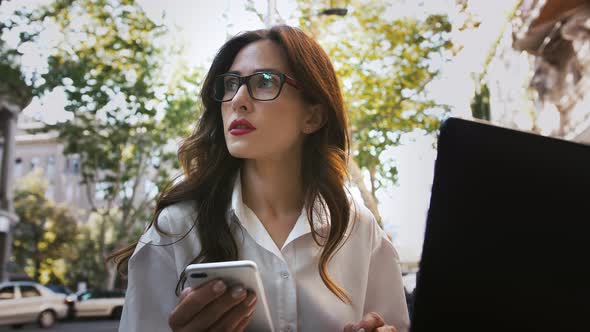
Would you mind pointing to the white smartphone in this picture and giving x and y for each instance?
(244, 273)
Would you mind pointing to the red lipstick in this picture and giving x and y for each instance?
(241, 127)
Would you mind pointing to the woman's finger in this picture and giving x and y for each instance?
(370, 322)
(387, 328)
(235, 317)
(348, 327)
(185, 293)
(194, 301)
(214, 313)
(244, 323)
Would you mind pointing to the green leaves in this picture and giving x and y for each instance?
(126, 105)
(384, 66)
(44, 231)
(130, 100)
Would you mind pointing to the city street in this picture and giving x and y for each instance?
(87, 325)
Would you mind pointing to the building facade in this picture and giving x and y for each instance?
(43, 151)
(539, 79)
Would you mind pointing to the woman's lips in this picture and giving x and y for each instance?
(241, 131)
(241, 127)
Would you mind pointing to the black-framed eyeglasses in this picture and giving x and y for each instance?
(263, 86)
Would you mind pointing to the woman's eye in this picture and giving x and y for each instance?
(266, 81)
(231, 84)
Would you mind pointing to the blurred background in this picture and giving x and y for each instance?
(95, 96)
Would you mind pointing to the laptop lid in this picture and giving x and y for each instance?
(507, 242)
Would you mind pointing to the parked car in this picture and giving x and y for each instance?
(60, 289)
(23, 302)
(97, 303)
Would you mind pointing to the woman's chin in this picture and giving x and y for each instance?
(241, 152)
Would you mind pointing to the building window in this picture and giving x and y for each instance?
(18, 167)
(35, 162)
(76, 165)
(50, 165)
(72, 164)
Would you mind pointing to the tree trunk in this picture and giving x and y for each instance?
(563, 117)
(102, 246)
(111, 275)
(37, 272)
(36, 256)
(357, 178)
(373, 187)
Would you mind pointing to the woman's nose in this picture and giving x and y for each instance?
(241, 99)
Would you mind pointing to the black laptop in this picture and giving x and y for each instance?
(507, 243)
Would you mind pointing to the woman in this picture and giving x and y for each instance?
(264, 175)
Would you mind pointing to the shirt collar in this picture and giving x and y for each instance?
(250, 222)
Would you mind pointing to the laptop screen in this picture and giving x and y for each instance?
(507, 243)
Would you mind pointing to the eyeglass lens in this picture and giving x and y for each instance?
(261, 86)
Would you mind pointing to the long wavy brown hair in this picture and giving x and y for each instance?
(209, 170)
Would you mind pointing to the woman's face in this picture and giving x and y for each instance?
(274, 129)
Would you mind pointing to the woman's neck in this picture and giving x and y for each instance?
(272, 187)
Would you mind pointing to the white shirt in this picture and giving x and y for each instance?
(366, 267)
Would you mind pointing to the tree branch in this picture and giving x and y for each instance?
(357, 178)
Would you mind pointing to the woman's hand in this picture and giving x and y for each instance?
(213, 307)
(372, 322)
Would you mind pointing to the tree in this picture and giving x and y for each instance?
(44, 231)
(13, 88)
(130, 101)
(85, 265)
(384, 66)
(480, 105)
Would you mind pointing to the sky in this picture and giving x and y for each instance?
(205, 25)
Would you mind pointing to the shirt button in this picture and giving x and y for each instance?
(285, 275)
(288, 329)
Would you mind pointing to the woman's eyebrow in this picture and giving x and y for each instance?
(265, 69)
(257, 70)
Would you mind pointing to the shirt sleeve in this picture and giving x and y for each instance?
(151, 285)
(385, 290)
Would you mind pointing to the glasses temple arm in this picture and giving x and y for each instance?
(293, 82)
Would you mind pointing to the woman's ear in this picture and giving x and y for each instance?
(315, 119)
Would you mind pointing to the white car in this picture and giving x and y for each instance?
(23, 302)
(99, 304)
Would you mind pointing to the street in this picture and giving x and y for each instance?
(86, 325)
